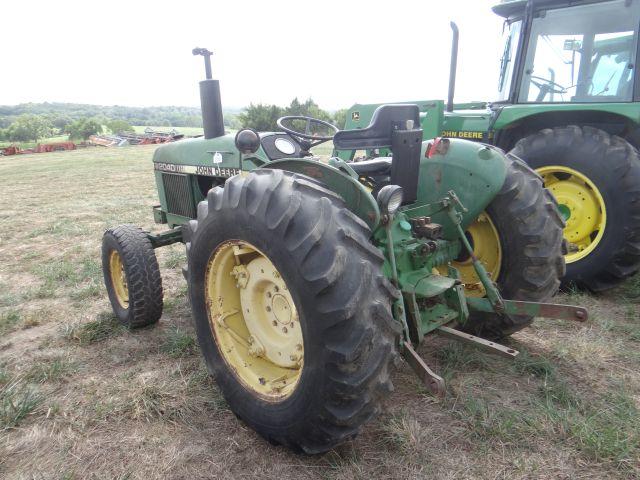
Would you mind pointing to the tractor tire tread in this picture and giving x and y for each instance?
(142, 271)
(620, 259)
(341, 273)
(530, 225)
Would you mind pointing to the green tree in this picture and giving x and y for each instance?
(261, 117)
(118, 125)
(193, 121)
(84, 128)
(29, 127)
(61, 121)
(339, 118)
(232, 121)
(307, 109)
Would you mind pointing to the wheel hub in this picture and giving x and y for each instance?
(254, 320)
(483, 237)
(582, 207)
(270, 314)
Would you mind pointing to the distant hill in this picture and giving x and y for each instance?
(170, 116)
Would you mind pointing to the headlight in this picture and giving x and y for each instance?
(390, 199)
(247, 141)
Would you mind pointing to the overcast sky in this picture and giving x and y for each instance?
(138, 53)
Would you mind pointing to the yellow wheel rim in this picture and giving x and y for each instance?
(254, 320)
(484, 238)
(119, 279)
(582, 207)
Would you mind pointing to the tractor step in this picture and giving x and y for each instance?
(433, 382)
(485, 345)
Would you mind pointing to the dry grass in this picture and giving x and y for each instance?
(82, 398)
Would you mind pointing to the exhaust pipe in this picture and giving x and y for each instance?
(453, 67)
(210, 101)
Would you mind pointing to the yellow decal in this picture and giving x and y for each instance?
(463, 134)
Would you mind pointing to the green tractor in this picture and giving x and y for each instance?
(568, 104)
(306, 278)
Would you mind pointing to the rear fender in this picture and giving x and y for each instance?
(474, 171)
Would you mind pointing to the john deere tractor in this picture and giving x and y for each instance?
(567, 103)
(307, 277)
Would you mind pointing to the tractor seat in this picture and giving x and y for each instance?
(373, 167)
(384, 121)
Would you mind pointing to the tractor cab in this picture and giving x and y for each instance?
(568, 52)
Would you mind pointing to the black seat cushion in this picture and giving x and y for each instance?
(373, 167)
(384, 121)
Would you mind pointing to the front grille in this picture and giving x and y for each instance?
(179, 194)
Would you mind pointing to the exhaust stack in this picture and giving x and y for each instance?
(453, 66)
(210, 102)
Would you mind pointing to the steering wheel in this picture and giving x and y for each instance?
(306, 139)
(549, 86)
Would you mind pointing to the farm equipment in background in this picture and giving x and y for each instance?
(123, 139)
(568, 104)
(40, 148)
(306, 278)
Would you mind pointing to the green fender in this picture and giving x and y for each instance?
(339, 179)
(475, 172)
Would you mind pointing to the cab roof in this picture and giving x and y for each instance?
(510, 8)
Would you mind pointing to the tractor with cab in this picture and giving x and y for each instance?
(308, 277)
(568, 104)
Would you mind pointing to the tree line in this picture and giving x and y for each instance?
(263, 117)
(34, 121)
(29, 127)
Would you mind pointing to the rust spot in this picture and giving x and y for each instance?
(314, 172)
(437, 176)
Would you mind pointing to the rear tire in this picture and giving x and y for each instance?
(530, 233)
(135, 291)
(334, 276)
(613, 166)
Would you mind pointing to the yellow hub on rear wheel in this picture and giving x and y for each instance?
(119, 279)
(483, 237)
(582, 207)
(254, 320)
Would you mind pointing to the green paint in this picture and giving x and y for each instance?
(355, 195)
(475, 172)
(565, 212)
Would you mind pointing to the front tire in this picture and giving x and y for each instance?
(271, 225)
(132, 276)
(596, 180)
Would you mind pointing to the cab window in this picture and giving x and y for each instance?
(582, 54)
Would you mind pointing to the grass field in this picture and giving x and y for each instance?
(82, 398)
